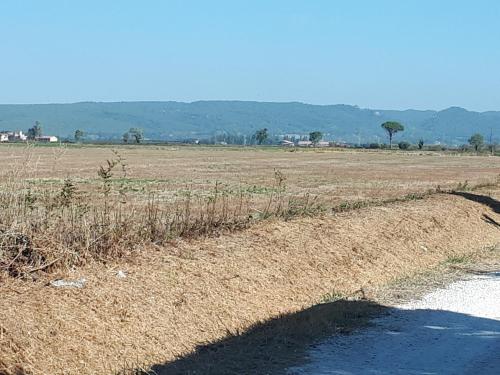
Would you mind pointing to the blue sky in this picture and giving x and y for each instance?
(379, 54)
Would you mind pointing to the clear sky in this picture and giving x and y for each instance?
(390, 54)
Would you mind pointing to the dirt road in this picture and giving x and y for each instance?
(455, 330)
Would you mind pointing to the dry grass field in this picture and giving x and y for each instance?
(336, 175)
(214, 242)
(64, 204)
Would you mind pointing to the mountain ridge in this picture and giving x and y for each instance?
(203, 118)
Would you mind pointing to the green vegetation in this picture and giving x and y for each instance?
(315, 137)
(392, 127)
(261, 135)
(35, 131)
(420, 144)
(177, 121)
(476, 141)
(137, 134)
(458, 259)
(403, 145)
(332, 297)
(134, 134)
(79, 134)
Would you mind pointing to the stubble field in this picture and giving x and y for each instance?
(335, 175)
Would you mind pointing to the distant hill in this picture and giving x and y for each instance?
(176, 120)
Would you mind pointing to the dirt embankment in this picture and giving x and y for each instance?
(195, 292)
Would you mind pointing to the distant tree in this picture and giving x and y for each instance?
(79, 134)
(261, 135)
(35, 131)
(137, 134)
(476, 141)
(404, 145)
(420, 144)
(392, 127)
(315, 137)
(125, 137)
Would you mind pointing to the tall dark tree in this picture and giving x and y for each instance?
(315, 137)
(392, 127)
(35, 131)
(420, 144)
(477, 141)
(79, 134)
(261, 135)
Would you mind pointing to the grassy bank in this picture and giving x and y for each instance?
(200, 291)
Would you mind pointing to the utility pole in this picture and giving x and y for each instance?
(491, 141)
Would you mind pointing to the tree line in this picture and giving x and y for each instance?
(262, 136)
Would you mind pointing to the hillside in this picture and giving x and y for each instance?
(176, 120)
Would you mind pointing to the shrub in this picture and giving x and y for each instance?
(404, 145)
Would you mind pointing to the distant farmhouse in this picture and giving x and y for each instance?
(323, 144)
(12, 136)
(307, 143)
(287, 143)
(19, 136)
(304, 143)
(46, 139)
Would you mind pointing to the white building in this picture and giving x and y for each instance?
(304, 143)
(17, 136)
(46, 138)
(323, 144)
(12, 136)
(287, 143)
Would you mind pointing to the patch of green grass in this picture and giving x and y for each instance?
(332, 297)
(458, 259)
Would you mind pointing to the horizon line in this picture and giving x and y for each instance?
(243, 101)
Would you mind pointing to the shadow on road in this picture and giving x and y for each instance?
(282, 343)
(272, 346)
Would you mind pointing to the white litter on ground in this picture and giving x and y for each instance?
(455, 330)
(121, 274)
(68, 283)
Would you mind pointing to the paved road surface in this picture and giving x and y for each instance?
(455, 330)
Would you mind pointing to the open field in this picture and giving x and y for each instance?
(336, 175)
(62, 205)
(213, 242)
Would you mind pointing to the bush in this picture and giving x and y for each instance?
(436, 148)
(404, 145)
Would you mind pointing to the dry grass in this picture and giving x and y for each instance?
(59, 208)
(195, 292)
(336, 175)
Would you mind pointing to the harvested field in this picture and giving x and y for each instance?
(62, 206)
(193, 292)
(335, 175)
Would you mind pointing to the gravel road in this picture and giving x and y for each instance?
(455, 330)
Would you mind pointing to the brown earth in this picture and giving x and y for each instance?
(192, 293)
